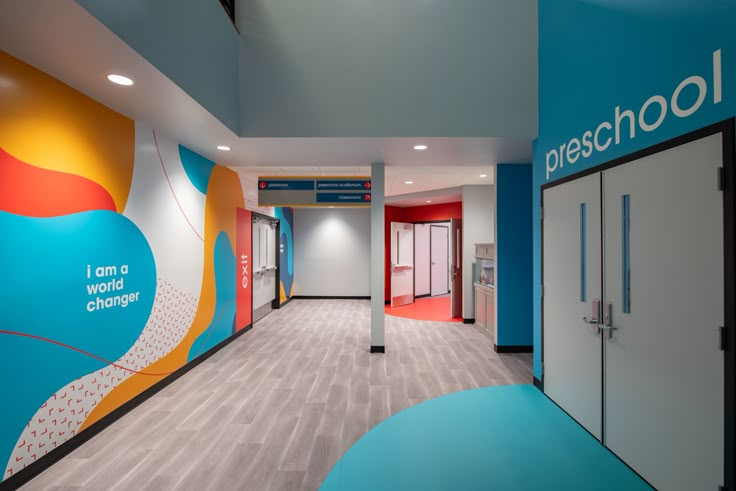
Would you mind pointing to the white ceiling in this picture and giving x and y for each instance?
(64, 40)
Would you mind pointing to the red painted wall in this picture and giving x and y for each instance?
(243, 253)
(412, 214)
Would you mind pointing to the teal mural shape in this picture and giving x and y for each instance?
(508, 437)
(286, 223)
(197, 168)
(76, 294)
(223, 320)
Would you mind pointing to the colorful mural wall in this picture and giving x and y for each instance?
(117, 259)
(286, 222)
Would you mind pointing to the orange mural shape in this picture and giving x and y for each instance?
(52, 126)
(29, 191)
(224, 196)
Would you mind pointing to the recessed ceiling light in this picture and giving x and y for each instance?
(223, 147)
(429, 201)
(420, 147)
(408, 182)
(484, 175)
(119, 79)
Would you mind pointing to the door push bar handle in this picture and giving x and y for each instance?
(594, 320)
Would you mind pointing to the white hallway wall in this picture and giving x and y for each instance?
(478, 227)
(332, 251)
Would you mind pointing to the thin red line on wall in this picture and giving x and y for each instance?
(40, 338)
(172, 187)
(64, 345)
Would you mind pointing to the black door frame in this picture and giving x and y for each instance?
(728, 185)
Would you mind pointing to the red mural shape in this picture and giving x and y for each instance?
(244, 275)
(31, 191)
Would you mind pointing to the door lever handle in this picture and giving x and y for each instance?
(594, 322)
(608, 330)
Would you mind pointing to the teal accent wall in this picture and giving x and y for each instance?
(514, 254)
(193, 42)
(596, 55)
(335, 68)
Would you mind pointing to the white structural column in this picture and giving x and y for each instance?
(378, 172)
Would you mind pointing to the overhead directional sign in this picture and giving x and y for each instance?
(314, 191)
(343, 185)
(343, 198)
(286, 185)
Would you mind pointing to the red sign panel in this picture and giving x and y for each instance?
(243, 276)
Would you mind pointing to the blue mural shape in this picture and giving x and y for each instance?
(286, 218)
(223, 320)
(197, 168)
(509, 437)
(86, 280)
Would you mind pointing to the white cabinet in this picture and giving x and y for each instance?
(486, 251)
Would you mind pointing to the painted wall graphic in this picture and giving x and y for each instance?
(286, 218)
(118, 260)
(622, 75)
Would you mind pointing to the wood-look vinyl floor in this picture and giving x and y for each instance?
(277, 407)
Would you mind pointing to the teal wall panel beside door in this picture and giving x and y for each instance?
(514, 254)
(637, 73)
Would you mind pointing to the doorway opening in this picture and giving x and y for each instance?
(425, 279)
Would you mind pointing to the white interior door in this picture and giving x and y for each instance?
(664, 374)
(421, 260)
(439, 266)
(572, 282)
(402, 264)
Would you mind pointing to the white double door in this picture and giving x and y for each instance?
(646, 377)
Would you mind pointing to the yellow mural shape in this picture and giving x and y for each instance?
(224, 195)
(47, 124)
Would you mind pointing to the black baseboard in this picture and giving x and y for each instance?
(469, 321)
(378, 349)
(323, 297)
(422, 296)
(512, 349)
(387, 302)
(538, 384)
(286, 302)
(25, 475)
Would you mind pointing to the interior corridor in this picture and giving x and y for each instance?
(278, 407)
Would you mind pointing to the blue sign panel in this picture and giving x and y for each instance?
(344, 185)
(286, 185)
(343, 198)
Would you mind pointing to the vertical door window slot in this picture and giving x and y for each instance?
(626, 251)
(583, 253)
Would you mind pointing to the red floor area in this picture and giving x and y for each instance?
(426, 309)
